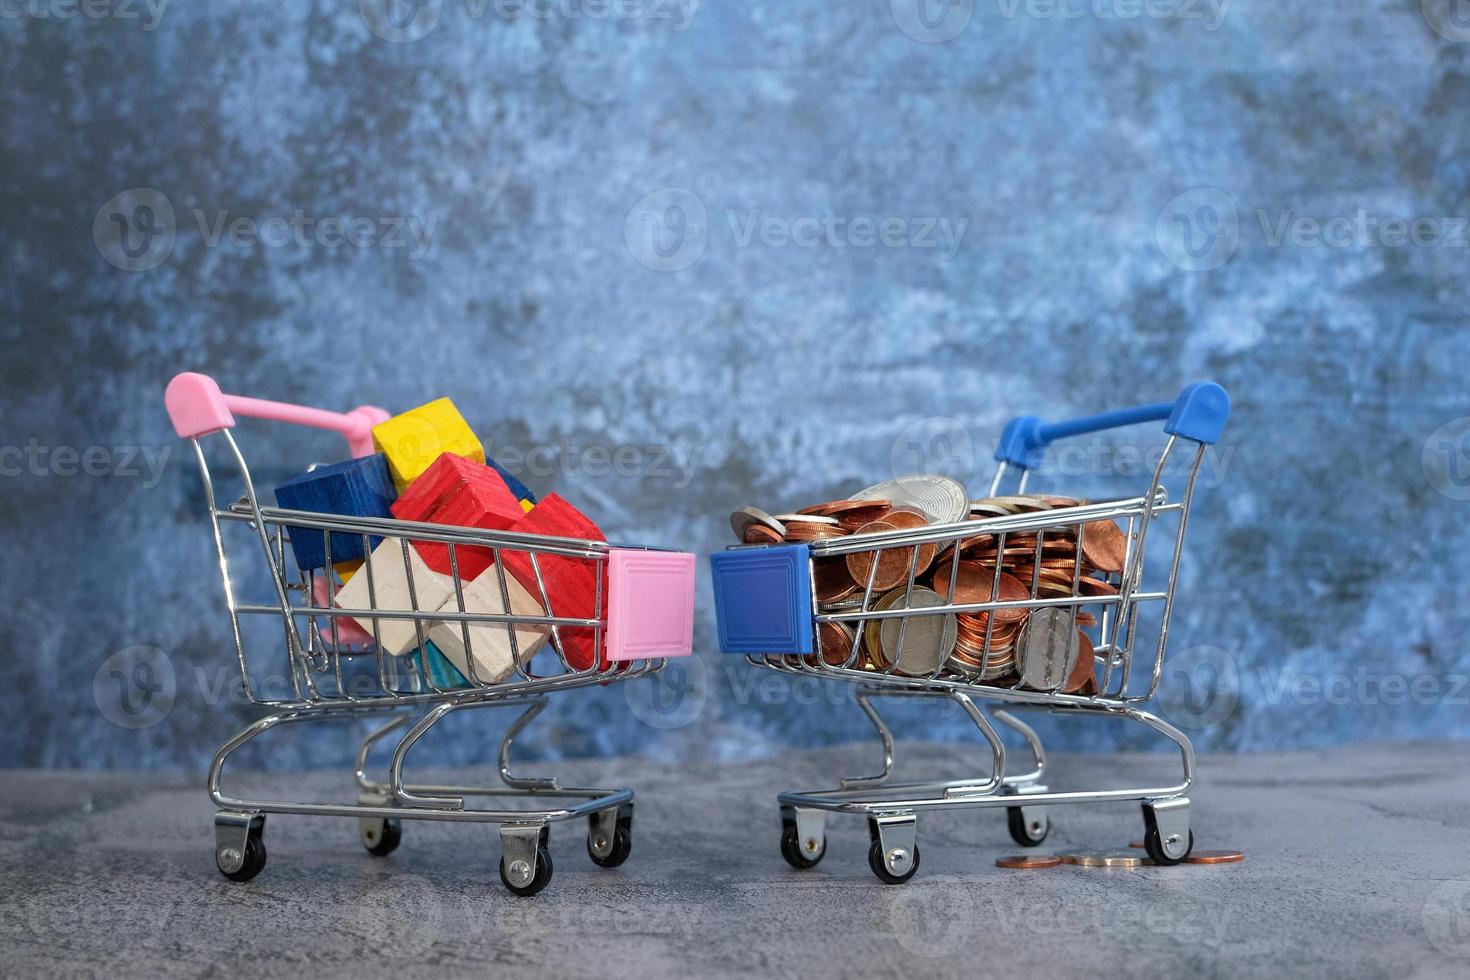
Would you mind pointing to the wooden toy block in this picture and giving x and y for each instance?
(414, 440)
(443, 673)
(571, 583)
(390, 587)
(356, 488)
(489, 642)
(347, 569)
(461, 492)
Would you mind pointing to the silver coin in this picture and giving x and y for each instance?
(743, 518)
(1102, 859)
(1047, 649)
(927, 640)
(942, 500)
(806, 518)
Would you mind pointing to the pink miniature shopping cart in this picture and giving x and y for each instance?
(336, 666)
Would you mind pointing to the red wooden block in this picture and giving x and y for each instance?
(463, 492)
(571, 583)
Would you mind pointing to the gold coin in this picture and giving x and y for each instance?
(1102, 859)
(1028, 862)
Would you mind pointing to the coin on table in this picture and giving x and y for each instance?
(1102, 859)
(746, 517)
(1104, 545)
(927, 640)
(1214, 857)
(893, 563)
(942, 500)
(1047, 649)
(1028, 862)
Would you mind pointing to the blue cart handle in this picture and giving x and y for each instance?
(1199, 413)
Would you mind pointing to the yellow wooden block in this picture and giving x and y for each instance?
(347, 569)
(526, 506)
(416, 438)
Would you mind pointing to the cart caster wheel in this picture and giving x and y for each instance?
(1155, 848)
(1027, 829)
(516, 879)
(880, 868)
(250, 866)
(801, 854)
(381, 837)
(617, 851)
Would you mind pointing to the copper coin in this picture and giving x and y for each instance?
(1095, 586)
(1214, 857)
(1060, 501)
(978, 581)
(760, 534)
(833, 582)
(908, 518)
(821, 510)
(834, 642)
(1082, 670)
(893, 563)
(1029, 862)
(1138, 844)
(1104, 545)
(862, 512)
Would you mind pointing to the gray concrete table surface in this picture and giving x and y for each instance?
(1356, 866)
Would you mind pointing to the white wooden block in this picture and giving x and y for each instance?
(390, 588)
(490, 641)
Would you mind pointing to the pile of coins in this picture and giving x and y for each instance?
(1037, 648)
(1109, 859)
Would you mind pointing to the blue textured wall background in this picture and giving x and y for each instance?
(541, 154)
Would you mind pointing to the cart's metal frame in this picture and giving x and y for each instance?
(403, 696)
(892, 809)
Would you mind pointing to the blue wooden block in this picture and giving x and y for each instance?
(763, 600)
(522, 492)
(441, 671)
(357, 488)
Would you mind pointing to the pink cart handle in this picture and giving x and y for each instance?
(197, 407)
